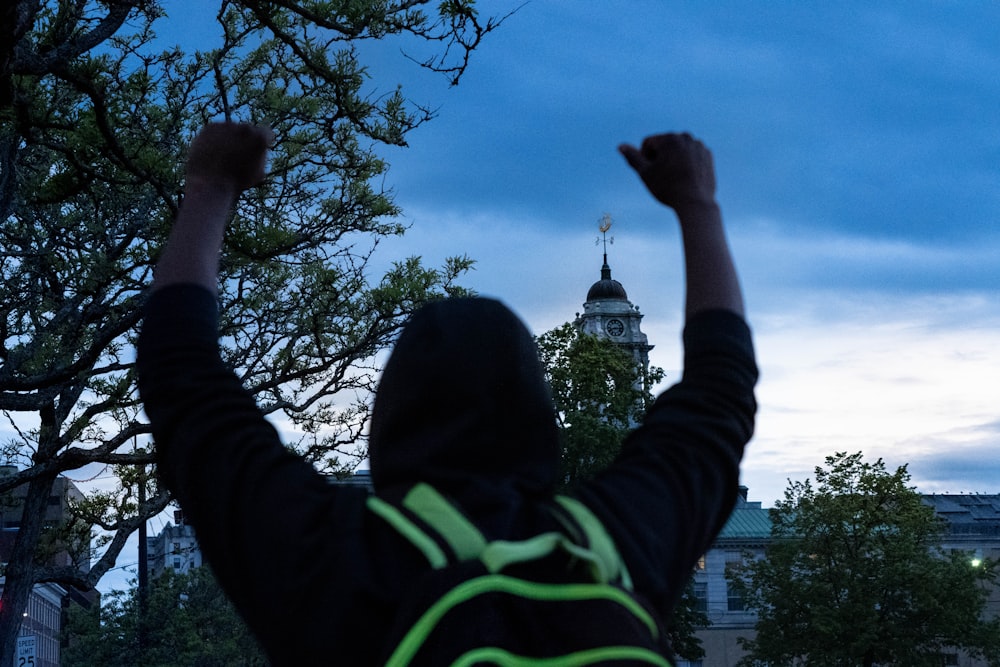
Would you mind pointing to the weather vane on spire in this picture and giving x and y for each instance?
(604, 224)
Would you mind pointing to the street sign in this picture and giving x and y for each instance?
(25, 651)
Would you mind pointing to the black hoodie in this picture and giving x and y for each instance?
(462, 405)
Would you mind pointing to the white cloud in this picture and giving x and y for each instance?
(900, 375)
(905, 379)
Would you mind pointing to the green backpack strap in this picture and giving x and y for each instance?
(427, 504)
(609, 563)
(440, 530)
(467, 542)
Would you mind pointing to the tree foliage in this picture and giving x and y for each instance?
(188, 621)
(856, 576)
(685, 620)
(95, 113)
(600, 393)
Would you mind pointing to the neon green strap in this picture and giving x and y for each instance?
(411, 531)
(609, 564)
(430, 506)
(460, 534)
(491, 655)
(468, 542)
(498, 583)
(500, 553)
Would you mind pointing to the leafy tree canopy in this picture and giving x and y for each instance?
(600, 393)
(188, 621)
(856, 576)
(95, 113)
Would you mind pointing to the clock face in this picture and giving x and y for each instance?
(614, 328)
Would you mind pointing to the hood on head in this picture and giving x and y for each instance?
(463, 399)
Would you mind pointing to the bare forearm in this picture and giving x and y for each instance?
(712, 281)
(192, 252)
(224, 160)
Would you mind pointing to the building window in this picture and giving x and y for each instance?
(177, 563)
(700, 565)
(701, 596)
(734, 600)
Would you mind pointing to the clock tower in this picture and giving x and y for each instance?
(607, 312)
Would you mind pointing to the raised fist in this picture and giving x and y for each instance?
(232, 155)
(676, 168)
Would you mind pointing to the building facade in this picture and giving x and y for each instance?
(607, 313)
(175, 548)
(746, 534)
(972, 526)
(45, 614)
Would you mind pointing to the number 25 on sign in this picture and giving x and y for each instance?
(25, 652)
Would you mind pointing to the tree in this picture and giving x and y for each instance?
(94, 117)
(600, 394)
(188, 618)
(855, 575)
(685, 620)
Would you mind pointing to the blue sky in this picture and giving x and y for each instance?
(857, 147)
(858, 157)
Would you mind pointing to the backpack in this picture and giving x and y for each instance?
(559, 599)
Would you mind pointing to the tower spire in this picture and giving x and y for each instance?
(607, 312)
(604, 224)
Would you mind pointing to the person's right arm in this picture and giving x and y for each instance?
(675, 482)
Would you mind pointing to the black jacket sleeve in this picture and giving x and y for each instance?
(675, 483)
(277, 534)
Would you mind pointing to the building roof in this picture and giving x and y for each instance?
(606, 287)
(965, 507)
(749, 521)
(361, 477)
(967, 514)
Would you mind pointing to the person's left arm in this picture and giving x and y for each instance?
(216, 452)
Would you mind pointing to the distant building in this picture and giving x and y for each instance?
(56, 511)
(175, 548)
(748, 531)
(972, 526)
(607, 313)
(43, 620)
(46, 612)
(361, 477)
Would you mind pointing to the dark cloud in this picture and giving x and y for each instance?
(963, 461)
(872, 122)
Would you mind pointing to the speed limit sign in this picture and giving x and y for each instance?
(25, 652)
